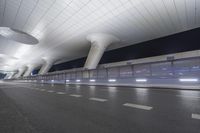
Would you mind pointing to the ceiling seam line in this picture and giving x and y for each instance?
(16, 13)
(36, 4)
(4, 10)
(68, 18)
(169, 14)
(43, 15)
(55, 18)
(161, 16)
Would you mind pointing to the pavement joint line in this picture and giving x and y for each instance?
(75, 95)
(138, 106)
(60, 93)
(98, 99)
(188, 96)
(196, 116)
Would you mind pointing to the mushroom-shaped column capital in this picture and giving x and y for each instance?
(102, 40)
(99, 43)
(46, 66)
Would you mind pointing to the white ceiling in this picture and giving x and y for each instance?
(62, 25)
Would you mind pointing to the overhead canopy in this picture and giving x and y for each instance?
(61, 26)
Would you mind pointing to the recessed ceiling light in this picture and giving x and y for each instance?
(18, 36)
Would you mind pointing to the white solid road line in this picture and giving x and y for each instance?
(188, 96)
(138, 106)
(75, 95)
(50, 91)
(98, 99)
(196, 116)
(60, 93)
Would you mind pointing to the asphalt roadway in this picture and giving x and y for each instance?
(51, 108)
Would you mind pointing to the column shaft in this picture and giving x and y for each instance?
(21, 71)
(28, 71)
(94, 56)
(100, 42)
(45, 68)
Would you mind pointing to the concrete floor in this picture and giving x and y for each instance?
(45, 108)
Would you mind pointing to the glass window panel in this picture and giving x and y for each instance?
(79, 75)
(93, 74)
(126, 71)
(142, 70)
(113, 72)
(86, 74)
(73, 75)
(67, 76)
(161, 69)
(187, 67)
(102, 73)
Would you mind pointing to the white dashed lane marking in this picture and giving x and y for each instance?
(50, 91)
(196, 116)
(61, 93)
(98, 99)
(137, 106)
(42, 89)
(75, 95)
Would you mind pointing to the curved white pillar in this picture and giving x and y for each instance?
(9, 75)
(20, 72)
(99, 43)
(14, 75)
(30, 68)
(46, 67)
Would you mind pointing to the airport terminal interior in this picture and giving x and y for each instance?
(99, 66)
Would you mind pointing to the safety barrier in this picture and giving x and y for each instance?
(171, 73)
